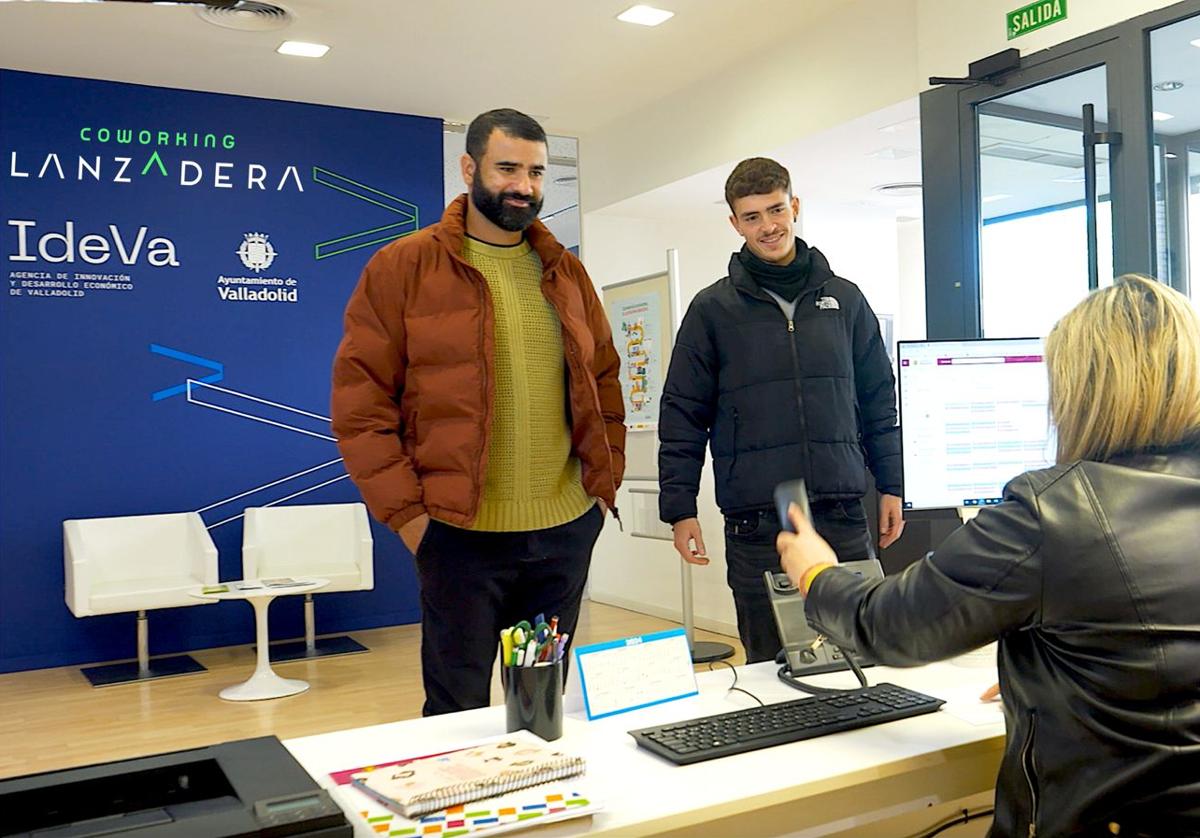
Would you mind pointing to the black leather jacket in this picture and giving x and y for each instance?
(1089, 575)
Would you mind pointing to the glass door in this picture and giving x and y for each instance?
(1044, 201)
(1175, 104)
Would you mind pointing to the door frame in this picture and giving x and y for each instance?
(950, 163)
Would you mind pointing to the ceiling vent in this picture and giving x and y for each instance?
(905, 189)
(1033, 154)
(246, 16)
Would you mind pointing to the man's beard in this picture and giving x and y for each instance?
(506, 217)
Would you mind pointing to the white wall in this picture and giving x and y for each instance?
(910, 318)
(638, 573)
(872, 54)
(861, 246)
(841, 67)
(951, 34)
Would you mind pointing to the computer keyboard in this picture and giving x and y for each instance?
(706, 737)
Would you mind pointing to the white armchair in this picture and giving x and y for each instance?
(137, 563)
(327, 541)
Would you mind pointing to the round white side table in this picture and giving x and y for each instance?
(264, 683)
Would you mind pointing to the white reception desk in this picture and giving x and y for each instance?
(805, 788)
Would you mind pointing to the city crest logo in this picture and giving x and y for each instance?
(256, 252)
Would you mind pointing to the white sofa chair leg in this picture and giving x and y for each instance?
(310, 625)
(143, 645)
(312, 646)
(143, 669)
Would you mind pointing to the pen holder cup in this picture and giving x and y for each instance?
(533, 699)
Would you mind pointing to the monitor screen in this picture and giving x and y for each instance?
(973, 416)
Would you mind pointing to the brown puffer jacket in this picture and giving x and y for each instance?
(413, 384)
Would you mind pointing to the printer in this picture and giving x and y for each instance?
(252, 787)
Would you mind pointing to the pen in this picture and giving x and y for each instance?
(562, 645)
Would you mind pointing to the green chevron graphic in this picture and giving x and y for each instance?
(376, 235)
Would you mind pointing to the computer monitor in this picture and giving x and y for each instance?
(973, 415)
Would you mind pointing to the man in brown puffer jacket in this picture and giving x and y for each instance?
(477, 406)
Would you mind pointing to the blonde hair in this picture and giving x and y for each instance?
(1124, 369)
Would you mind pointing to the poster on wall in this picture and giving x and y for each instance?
(177, 264)
(639, 312)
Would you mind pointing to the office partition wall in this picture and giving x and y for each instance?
(177, 265)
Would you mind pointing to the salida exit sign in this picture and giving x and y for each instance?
(1034, 16)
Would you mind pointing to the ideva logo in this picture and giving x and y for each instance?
(96, 248)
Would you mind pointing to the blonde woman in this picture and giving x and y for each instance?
(1089, 575)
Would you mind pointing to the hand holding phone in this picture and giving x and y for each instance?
(787, 493)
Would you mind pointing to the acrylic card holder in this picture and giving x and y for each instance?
(623, 675)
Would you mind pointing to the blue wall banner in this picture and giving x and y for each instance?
(177, 264)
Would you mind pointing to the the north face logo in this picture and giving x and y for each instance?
(828, 302)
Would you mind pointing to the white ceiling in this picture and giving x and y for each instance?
(842, 165)
(569, 62)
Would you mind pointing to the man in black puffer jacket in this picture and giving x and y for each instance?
(781, 369)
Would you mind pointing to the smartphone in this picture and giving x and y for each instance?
(787, 493)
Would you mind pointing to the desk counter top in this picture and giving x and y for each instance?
(907, 765)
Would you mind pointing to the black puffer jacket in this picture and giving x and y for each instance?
(1089, 574)
(778, 399)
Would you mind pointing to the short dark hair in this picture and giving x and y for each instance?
(756, 176)
(511, 122)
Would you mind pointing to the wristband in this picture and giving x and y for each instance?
(812, 573)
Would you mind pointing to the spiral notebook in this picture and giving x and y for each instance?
(420, 786)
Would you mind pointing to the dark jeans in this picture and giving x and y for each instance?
(750, 550)
(473, 584)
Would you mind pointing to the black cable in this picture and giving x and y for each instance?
(786, 676)
(747, 692)
(965, 816)
(858, 673)
(732, 669)
(734, 687)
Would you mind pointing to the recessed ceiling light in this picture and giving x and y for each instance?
(1196, 43)
(999, 196)
(1160, 116)
(1170, 155)
(1168, 86)
(302, 49)
(645, 15)
(1069, 179)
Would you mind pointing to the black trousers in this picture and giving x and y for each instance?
(473, 584)
(750, 550)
